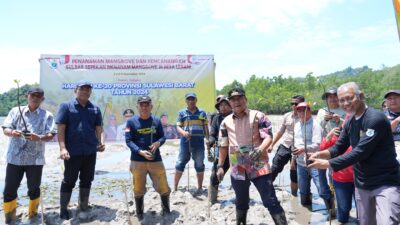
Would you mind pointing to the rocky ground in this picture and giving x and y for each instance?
(112, 200)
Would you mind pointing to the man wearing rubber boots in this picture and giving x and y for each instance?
(144, 135)
(224, 110)
(80, 137)
(28, 127)
(284, 152)
(247, 134)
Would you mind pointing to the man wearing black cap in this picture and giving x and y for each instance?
(224, 110)
(80, 136)
(144, 135)
(284, 152)
(246, 135)
(28, 128)
(392, 99)
(192, 126)
(329, 117)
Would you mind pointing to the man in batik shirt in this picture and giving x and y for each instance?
(247, 135)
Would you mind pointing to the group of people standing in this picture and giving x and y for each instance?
(353, 142)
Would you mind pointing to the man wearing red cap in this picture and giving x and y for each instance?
(307, 139)
(28, 128)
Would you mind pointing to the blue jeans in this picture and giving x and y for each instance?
(304, 176)
(264, 187)
(323, 185)
(344, 194)
(184, 157)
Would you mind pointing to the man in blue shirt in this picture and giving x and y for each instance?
(80, 136)
(144, 135)
(192, 126)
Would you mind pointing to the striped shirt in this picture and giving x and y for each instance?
(193, 123)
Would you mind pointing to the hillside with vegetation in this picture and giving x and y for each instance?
(272, 94)
(9, 99)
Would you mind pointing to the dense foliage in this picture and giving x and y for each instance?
(272, 94)
(9, 99)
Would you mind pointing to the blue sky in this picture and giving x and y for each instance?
(261, 37)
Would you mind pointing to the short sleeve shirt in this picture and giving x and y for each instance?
(81, 122)
(241, 135)
(194, 124)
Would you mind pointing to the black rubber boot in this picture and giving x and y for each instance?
(139, 207)
(306, 201)
(64, 201)
(165, 204)
(83, 214)
(279, 219)
(84, 198)
(330, 207)
(241, 216)
(213, 194)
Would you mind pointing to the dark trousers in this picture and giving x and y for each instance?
(14, 175)
(213, 178)
(264, 187)
(283, 155)
(82, 166)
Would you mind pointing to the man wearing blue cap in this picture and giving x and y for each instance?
(26, 151)
(192, 125)
(80, 136)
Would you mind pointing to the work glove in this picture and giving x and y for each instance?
(210, 155)
(255, 154)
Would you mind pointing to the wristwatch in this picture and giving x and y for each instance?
(220, 166)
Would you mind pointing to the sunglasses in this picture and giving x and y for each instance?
(294, 103)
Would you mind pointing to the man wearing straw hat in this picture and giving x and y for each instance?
(28, 128)
(144, 135)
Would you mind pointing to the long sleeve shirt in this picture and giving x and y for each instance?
(373, 156)
(215, 124)
(141, 133)
(287, 127)
(312, 131)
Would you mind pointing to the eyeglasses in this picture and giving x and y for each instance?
(294, 103)
(301, 109)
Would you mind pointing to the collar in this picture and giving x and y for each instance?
(197, 109)
(25, 110)
(77, 103)
(246, 113)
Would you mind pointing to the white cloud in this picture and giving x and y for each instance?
(208, 28)
(266, 16)
(176, 5)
